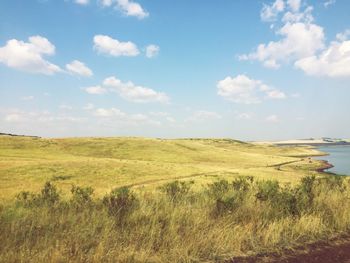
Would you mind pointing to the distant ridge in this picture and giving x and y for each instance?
(18, 135)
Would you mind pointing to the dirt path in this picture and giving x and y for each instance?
(335, 251)
(155, 181)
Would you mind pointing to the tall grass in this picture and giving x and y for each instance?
(173, 224)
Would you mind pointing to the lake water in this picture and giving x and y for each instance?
(339, 156)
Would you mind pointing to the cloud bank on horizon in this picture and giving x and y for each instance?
(62, 83)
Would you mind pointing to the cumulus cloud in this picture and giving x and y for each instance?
(112, 112)
(82, 2)
(152, 51)
(343, 35)
(134, 93)
(242, 89)
(79, 68)
(270, 12)
(29, 56)
(127, 7)
(106, 45)
(117, 115)
(298, 41)
(304, 17)
(272, 93)
(95, 90)
(332, 62)
(36, 117)
(294, 5)
(298, 36)
(329, 3)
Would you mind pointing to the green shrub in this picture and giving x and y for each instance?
(242, 183)
(267, 190)
(176, 190)
(285, 203)
(121, 202)
(26, 198)
(49, 194)
(81, 195)
(282, 200)
(305, 194)
(218, 189)
(224, 206)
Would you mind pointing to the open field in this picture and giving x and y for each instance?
(153, 200)
(105, 163)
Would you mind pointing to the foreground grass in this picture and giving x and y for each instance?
(106, 163)
(174, 223)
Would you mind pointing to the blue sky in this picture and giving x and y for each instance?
(250, 70)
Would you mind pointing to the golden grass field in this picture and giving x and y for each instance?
(105, 163)
(154, 200)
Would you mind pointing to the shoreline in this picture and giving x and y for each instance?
(313, 144)
(326, 166)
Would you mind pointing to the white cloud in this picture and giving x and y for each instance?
(113, 47)
(332, 62)
(79, 68)
(244, 116)
(152, 51)
(135, 93)
(106, 3)
(127, 7)
(97, 90)
(131, 8)
(298, 36)
(36, 117)
(13, 117)
(272, 93)
(343, 35)
(242, 89)
(272, 118)
(270, 12)
(294, 5)
(170, 119)
(26, 98)
(28, 56)
(329, 3)
(116, 115)
(202, 115)
(299, 40)
(159, 114)
(82, 2)
(113, 112)
(305, 17)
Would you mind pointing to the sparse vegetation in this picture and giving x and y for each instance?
(214, 223)
(153, 200)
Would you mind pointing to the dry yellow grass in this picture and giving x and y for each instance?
(105, 163)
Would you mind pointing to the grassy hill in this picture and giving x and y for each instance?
(104, 163)
(153, 200)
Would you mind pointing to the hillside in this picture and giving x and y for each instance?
(104, 163)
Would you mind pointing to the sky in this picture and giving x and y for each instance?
(248, 70)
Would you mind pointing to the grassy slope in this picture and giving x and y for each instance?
(105, 163)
